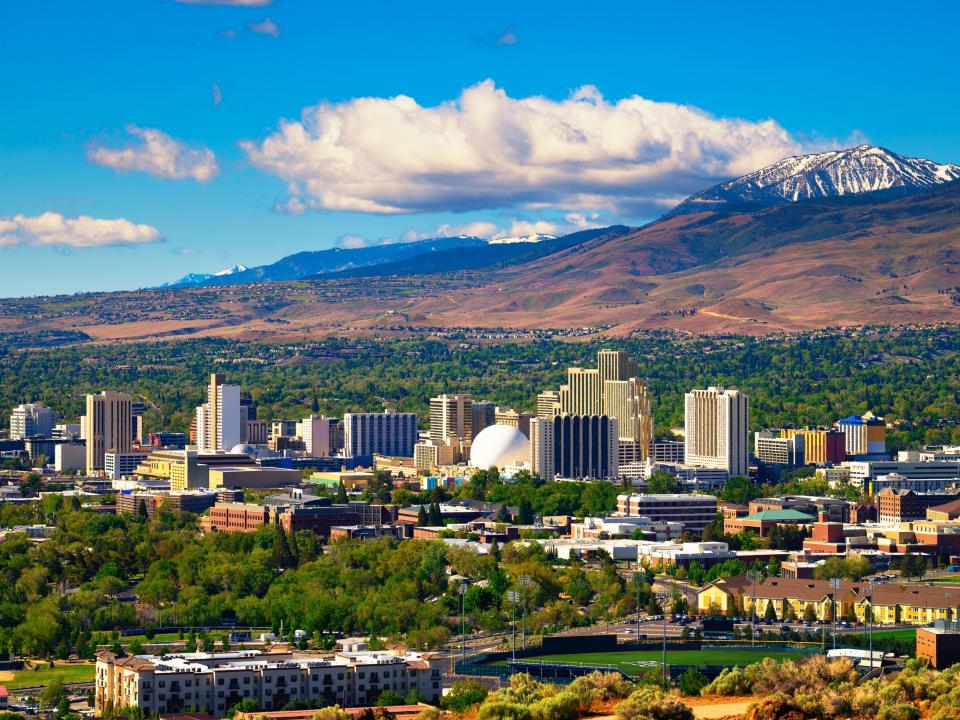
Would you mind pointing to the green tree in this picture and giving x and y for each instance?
(463, 695)
(422, 517)
(341, 494)
(809, 613)
(663, 483)
(53, 693)
(770, 613)
(691, 682)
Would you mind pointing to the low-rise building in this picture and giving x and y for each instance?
(897, 505)
(215, 682)
(764, 521)
(694, 511)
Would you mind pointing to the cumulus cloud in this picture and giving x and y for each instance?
(53, 229)
(216, 95)
(158, 154)
(352, 242)
(265, 27)
(571, 222)
(488, 150)
(233, 3)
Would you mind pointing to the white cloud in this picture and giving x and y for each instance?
(216, 95)
(234, 3)
(487, 150)
(352, 242)
(266, 27)
(53, 229)
(159, 155)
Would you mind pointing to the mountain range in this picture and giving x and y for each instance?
(862, 171)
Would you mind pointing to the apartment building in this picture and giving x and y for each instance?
(770, 448)
(820, 446)
(897, 505)
(31, 419)
(451, 415)
(386, 433)
(694, 511)
(575, 447)
(122, 464)
(865, 434)
(212, 683)
(106, 426)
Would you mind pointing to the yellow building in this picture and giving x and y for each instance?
(892, 603)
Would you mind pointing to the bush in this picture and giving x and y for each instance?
(463, 695)
(603, 686)
(692, 682)
(331, 713)
(731, 681)
(562, 706)
(901, 711)
(430, 713)
(495, 710)
(651, 703)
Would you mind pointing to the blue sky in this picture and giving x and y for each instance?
(557, 139)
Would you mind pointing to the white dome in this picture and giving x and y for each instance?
(243, 449)
(499, 446)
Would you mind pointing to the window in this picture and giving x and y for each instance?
(246, 681)
(219, 681)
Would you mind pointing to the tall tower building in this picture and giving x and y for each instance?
(315, 433)
(451, 415)
(386, 433)
(219, 418)
(574, 446)
(30, 420)
(716, 423)
(483, 415)
(106, 427)
(610, 389)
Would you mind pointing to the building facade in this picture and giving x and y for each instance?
(386, 433)
(574, 447)
(716, 422)
(694, 511)
(106, 426)
(29, 420)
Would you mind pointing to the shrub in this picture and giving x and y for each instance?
(430, 713)
(496, 710)
(464, 694)
(562, 706)
(603, 686)
(735, 681)
(692, 682)
(331, 713)
(651, 703)
(900, 711)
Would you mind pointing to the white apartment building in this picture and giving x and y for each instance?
(716, 422)
(31, 419)
(214, 682)
(863, 473)
(220, 418)
(117, 465)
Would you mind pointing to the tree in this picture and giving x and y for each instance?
(53, 693)
(663, 483)
(435, 518)
(692, 682)
(341, 494)
(696, 573)
(135, 647)
(422, 517)
(282, 555)
(142, 510)
(809, 613)
(770, 613)
(463, 695)
(525, 512)
(389, 697)
(653, 607)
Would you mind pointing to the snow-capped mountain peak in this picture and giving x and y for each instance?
(238, 268)
(534, 238)
(862, 169)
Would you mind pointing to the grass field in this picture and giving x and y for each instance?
(71, 673)
(945, 579)
(901, 634)
(626, 660)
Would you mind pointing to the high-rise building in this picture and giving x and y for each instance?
(574, 446)
(451, 415)
(514, 419)
(484, 415)
(106, 427)
(219, 418)
(29, 420)
(610, 389)
(820, 446)
(548, 403)
(716, 422)
(315, 433)
(386, 433)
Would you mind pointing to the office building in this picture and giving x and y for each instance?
(282, 428)
(451, 415)
(117, 465)
(258, 433)
(694, 511)
(219, 419)
(386, 433)
(863, 474)
(168, 440)
(212, 683)
(188, 469)
(897, 505)
(106, 426)
(772, 449)
(629, 403)
(69, 456)
(483, 415)
(315, 433)
(865, 435)
(514, 419)
(716, 422)
(30, 420)
(574, 447)
(668, 451)
(247, 476)
(820, 446)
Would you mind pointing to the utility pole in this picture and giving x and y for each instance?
(524, 581)
(752, 574)
(636, 578)
(835, 586)
(870, 596)
(662, 599)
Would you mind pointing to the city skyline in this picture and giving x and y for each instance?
(208, 145)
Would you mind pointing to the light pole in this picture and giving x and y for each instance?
(662, 599)
(524, 581)
(463, 627)
(835, 586)
(514, 597)
(870, 597)
(753, 575)
(636, 579)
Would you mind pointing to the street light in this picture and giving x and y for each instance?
(835, 585)
(662, 599)
(753, 575)
(636, 579)
(525, 582)
(463, 627)
(870, 587)
(514, 597)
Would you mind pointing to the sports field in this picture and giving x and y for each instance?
(68, 672)
(627, 660)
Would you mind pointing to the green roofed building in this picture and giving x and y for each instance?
(762, 522)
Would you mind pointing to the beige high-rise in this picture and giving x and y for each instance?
(716, 421)
(451, 415)
(610, 389)
(107, 427)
